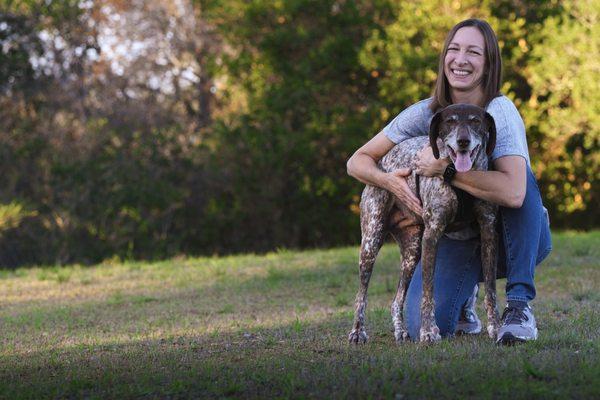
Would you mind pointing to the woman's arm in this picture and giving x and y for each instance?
(505, 186)
(363, 166)
(411, 122)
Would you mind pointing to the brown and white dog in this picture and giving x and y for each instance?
(466, 134)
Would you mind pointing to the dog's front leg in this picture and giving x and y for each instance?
(434, 228)
(486, 216)
(409, 241)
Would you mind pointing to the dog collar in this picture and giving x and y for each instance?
(449, 173)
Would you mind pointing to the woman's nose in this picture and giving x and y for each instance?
(461, 58)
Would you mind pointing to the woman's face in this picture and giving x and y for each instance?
(464, 63)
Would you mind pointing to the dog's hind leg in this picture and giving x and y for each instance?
(486, 216)
(409, 241)
(374, 209)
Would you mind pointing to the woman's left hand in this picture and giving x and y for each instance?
(428, 165)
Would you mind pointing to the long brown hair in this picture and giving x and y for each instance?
(492, 77)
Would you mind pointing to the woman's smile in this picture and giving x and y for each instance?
(460, 72)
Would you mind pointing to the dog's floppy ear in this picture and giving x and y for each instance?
(491, 143)
(434, 133)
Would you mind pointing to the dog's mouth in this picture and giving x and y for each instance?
(463, 160)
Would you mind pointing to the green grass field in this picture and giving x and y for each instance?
(276, 326)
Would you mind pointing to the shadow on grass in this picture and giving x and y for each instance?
(325, 282)
(281, 332)
(312, 359)
(284, 292)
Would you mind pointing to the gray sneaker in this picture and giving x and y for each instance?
(518, 325)
(468, 321)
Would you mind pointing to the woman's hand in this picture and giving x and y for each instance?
(428, 165)
(396, 183)
(363, 166)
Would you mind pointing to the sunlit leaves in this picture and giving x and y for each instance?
(564, 108)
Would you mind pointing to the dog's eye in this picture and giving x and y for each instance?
(452, 119)
(474, 119)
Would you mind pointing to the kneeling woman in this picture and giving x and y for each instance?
(470, 72)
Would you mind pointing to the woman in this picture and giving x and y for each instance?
(470, 72)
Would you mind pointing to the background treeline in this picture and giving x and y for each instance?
(149, 129)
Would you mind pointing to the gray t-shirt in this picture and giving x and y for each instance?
(510, 135)
(510, 129)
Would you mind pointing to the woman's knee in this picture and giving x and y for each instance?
(447, 311)
(455, 277)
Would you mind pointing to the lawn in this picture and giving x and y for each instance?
(275, 325)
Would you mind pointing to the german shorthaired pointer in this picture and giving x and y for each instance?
(466, 134)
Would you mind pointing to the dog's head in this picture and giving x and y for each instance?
(464, 130)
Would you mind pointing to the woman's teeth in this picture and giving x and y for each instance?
(459, 72)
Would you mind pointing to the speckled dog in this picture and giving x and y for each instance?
(466, 134)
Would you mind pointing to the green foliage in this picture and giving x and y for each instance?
(404, 54)
(308, 106)
(15, 69)
(251, 154)
(12, 214)
(563, 113)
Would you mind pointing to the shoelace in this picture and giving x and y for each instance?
(513, 315)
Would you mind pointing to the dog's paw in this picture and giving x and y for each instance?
(431, 335)
(492, 330)
(358, 336)
(401, 335)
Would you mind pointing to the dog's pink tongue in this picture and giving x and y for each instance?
(463, 162)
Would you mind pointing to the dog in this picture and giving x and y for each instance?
(467, 134)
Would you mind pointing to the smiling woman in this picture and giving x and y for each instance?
(471, 68)
(469, 72)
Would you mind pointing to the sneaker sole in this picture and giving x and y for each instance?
(468, 329)
(461, 332)
(508, 339)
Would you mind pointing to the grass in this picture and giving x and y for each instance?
(276, 326)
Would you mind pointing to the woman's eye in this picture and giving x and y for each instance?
(474, 52)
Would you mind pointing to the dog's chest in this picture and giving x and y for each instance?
(433, 192)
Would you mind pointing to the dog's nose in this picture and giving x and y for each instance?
(464, 142)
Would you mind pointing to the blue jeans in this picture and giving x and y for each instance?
(524, 243)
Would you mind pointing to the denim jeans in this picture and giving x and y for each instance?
(524, 243)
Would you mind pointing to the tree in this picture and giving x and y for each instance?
(563, 112)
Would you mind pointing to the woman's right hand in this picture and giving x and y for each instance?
(396, 183)
(363, 166)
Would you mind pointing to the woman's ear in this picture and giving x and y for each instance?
(491, 129)
(434, 133)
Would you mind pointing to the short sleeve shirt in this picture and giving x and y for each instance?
(510, 135)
